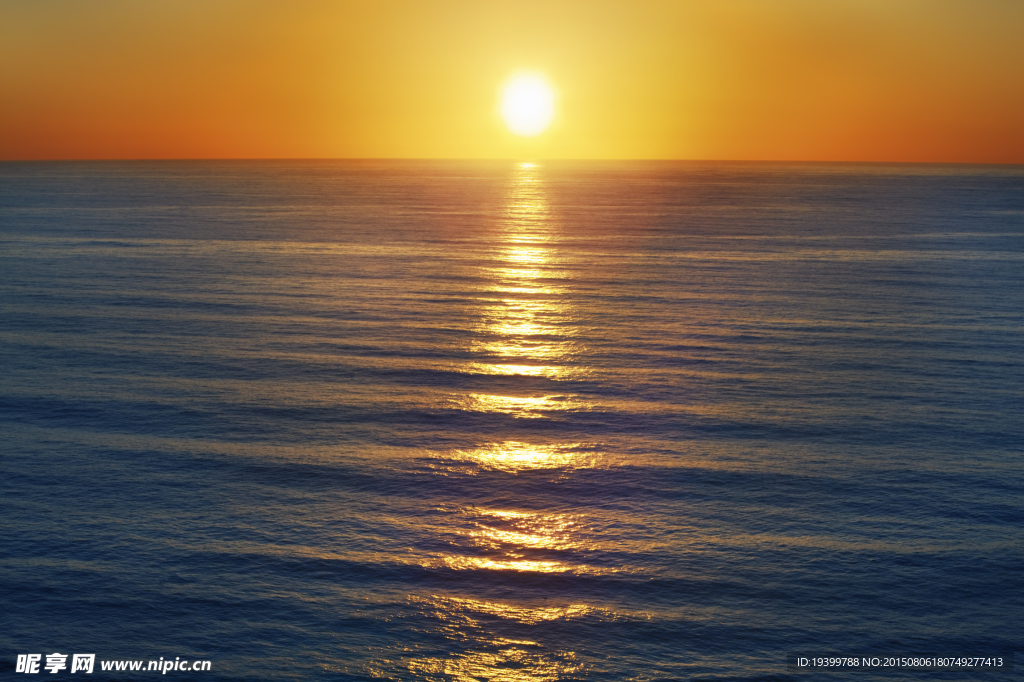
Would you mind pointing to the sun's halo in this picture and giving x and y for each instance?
(528, 104)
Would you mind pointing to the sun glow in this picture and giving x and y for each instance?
(528, 104)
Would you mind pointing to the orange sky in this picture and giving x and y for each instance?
(853, 80)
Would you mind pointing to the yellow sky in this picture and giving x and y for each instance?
(882, 80)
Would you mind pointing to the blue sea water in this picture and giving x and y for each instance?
(457, 421)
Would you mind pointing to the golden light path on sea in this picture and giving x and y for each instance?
(526, 328)
(526, 325)
(506, 659)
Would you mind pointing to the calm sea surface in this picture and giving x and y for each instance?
(510, 422)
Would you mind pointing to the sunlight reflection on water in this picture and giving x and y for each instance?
(525, 328)
(513, 456)
(498, 658)
(511, 662)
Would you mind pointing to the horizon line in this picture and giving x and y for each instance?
(506, 159)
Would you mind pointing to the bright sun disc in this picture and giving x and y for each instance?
(528, 105)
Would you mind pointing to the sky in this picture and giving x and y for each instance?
(815, 80)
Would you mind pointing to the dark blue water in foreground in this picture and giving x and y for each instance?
(510, 422)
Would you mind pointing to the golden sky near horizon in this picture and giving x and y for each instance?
(841, 80)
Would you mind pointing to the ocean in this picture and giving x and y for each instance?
(510, 421)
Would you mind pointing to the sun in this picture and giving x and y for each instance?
(527, 104)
